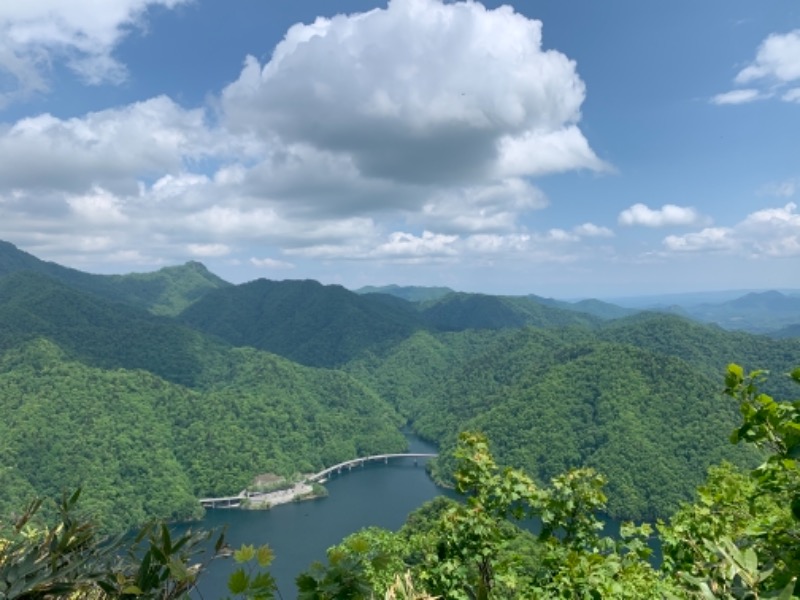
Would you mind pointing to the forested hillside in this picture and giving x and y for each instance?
(142, 447)
(215, 396)
(164, 292)
(303, 320)
(103, 333)
(638, 399)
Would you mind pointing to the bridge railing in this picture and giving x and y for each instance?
(360, 461)
(228, 500)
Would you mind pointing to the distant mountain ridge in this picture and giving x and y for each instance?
(327, 325)
(164, 292)
(757, 312)
(412, 293)
(770, 311)
(421, 294)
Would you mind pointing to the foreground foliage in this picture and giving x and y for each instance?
(739, 540)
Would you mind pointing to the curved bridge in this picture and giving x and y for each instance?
(236, 501)
(357, 462)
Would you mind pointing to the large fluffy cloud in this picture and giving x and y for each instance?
(402, 133)
(113, 148)
(36, 33)
(420, 92)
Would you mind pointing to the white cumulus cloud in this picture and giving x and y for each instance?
(792, 95)
(780, 189)
(738, 97)
(770, 232)
(271, 263)
(710, 238)
(778, 58)
(420, 92)
(667, 215)
(404, 133)
(34, 34)
(777, 64)
(112, 148)
(492, 207)
(208, 250)
(592, 230)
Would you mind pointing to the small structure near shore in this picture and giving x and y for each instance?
(269, 490)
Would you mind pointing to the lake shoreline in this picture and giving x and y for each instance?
(297, 493)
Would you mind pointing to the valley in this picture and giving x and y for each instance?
(101, 387)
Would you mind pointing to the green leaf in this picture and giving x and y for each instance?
(796, 507)
(178, 569)
(238, 581)
(750, 560)
(132, 590)
(265, 556)
(788, 591)
(244, 554)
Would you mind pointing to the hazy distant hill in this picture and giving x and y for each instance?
(431, 295)
(590, 306)
(654, 301)
(412, 293)
(459, 311)
(166, 291)
(758, 312)
(311, 323)
(753, 311)
(790, 331)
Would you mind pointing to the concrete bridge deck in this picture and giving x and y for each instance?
(349, 464)
(235, 501)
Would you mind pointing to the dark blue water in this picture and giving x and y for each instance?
(299, 533)
(377, 494)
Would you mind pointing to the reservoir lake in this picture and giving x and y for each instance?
(299, 533)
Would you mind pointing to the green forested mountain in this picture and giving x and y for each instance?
(142, 447)
(163, 292)
(167, 291)
(305, 321)
(635, 397)
(100, 332)
(431, 296)
(459, 311)
(412, 293)
(708, 348)
(327, 325)
(591, 306)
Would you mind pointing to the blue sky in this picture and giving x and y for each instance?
(573, 148)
